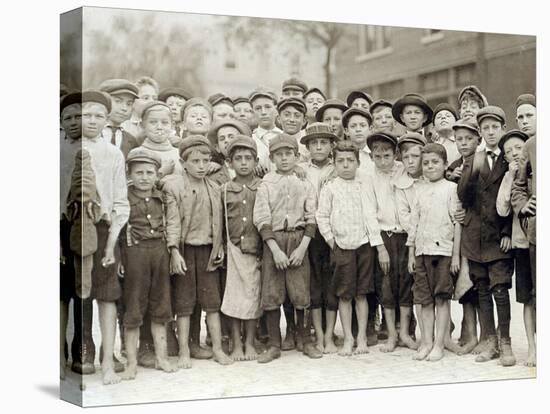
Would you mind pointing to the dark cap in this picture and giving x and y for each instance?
(412, 99)
(282, 141)
(118, 87)
(263, 92)
(355, 111)
(70, 99)
(467, 124)
(513, 133)
(294, 84)
(445, 107)
(141, 154)
(219, 98)
(243, 141)
(311, 90)
(243, 128)
(294, 101)
(318, 130)
(526, 98)
(96, 96)
(330, 103)
(193, 141)
(168, 92)
(381, 136)
(491, 111)
(378, 103)
(240, 99)
(475, 91)
(358, 94)
(412, 138)
(196, 101)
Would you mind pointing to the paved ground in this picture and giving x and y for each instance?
(294, 372)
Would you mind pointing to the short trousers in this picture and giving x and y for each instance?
(432, 279)
(397, 285)
(353, 271)
(66, 270)
(321, 291)
(498, 272)
(105, 284)
(524, 282)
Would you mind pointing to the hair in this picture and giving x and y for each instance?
(88, 103)
(236, 148)
(382, 145)
(146, 80)
(146, 113)
(378, 108)
(187, 108)
(472, 96)
(132, 163)
(203, 149)
(434, 148)
(408, 145)
(345, 146)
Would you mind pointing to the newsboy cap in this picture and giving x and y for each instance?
(140, 154)
(240, 99)
(491, 111)
(70, 99)
(379, 103)
(381, 136)
(473, 90)
(193, 141)
(412, 138)
(174, 91)
(330, 103)
(513, 133)
(467, 124)
(355, 111)
(358, 94)
(311, 90)
(294, 101)
(444, 107)
(526, 98)
(240, 126)
(412, 99)
(92, 95)
(318, 130)
(294, 84)
(118, 87)
(219, 98)
(243, 141)
(263, 92)
(282, 141)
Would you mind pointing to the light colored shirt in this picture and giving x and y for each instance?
(346, 214)
(504, 208)
(405, 198)
(317, 175)
(450, 146)
(200, 231)
(133, 126)
(68, 149)
(262, 138)
(432, 218)
(366, 164)
(107, 134)
(284, 202)
(490, 160)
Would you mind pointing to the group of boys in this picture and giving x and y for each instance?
(236, 207)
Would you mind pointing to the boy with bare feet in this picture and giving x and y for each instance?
(347, 220)
(434, 250)
(146, 261)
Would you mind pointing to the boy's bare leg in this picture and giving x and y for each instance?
(405, 320)
(214, 326)
(107, 325)
(418, 313)
(529, 319)
(442, 329)
(250, 353)
(469, 329)
(450, 345)
(289, 342)
(317, 318)
(329, 345)
(131, 336)
(237, 354)
(184, 360)
(362, 310)
(392, 333)
(158, 330)
(428, 315)
(63, 318)
(344, 307)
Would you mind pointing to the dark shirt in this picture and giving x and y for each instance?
(146, 217)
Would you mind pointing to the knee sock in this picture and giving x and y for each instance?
(301, 330)
(486, 316)
(82, 321)
(502, 300)
(273, 319)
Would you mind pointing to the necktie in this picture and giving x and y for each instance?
(114, 129)
(492, 157)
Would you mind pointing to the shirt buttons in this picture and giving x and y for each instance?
(244, 218)
(148, 216)
(147, 199)
(242, 237)
(152, 231)
(244, 201)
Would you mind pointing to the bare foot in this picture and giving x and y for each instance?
(408, 341)
(165, 365)
(347, 348)
(436, 354)
(109, 376)
(319, 343)
(362, 347)
(390, 345)
(452, 346)
(129, 373)
(422, 352)
(531, 360)
(237, 354)
(480, 347)
(221, 358)
(184, 361)
(250, 353)
(329, 347)
(467, 347)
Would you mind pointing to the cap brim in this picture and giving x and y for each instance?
(306, 138)
(122, 91)
(399, 105)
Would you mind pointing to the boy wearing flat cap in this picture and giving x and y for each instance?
(331, 114)
(243, 112)
(123, 93)
(359, 99)
(175, 98)
(148, 90)
(146, 260)
(222, 107)
(413, 112)
(486, 238)
(294, 88)
(314, 99)
(292, 117)
(108, 165)
(525, 206)
(443, 120)
(241, 298)
(196, 251)
(284, 214)
(357, 123)
(470, 101)
(382, 118)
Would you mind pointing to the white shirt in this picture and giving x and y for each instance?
(262, 138)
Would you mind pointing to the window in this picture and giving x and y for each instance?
(431, 35)
(374, 40)
(444, 85)
(434, 82)
(465, 75)
(391, 90)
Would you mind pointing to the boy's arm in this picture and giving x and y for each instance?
(504, 195)
(403, 209)
(173, 229)
(520, 190)
(411, 234)
(373, 227)
(323, 215)
(455, 260)
(465, 184)
(310, 205)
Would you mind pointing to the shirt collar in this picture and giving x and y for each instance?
(235, 187)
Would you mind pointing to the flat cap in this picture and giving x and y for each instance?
(194, 141)
(412, 99)
(355, 111)
(118, 87)
(243, 141)
(282, 141)
(240, 99)
(311, 90)
(526, 98)
(445, 107)
(379, 103)
(263, 92)
(70, 99)
(297, 103)
(412, 138)
(381, 136)
(359, 94)
(318, 130)
(491, 111)
(243, 128)
(219, 98)
(513, 133)
(141, 154)
(467, 124)
(330, 103)
(294, 84)
(92, 95)
(174, 91)
(475, 91)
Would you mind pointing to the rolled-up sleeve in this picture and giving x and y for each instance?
(262, 213)
(323, 213)
(173, 219)
(504, 195)
(310, 206)
(414, 220)
(403, 209)
(121, 207)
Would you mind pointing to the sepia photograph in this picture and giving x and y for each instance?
(257, 206)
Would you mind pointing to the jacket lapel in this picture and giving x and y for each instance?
(499, 169)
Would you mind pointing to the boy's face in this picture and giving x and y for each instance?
(357, 130)
(466, 141)
(382, 119)
(345, 165)
(147, 93)
(197, 120)
(243, 112)
(196, 164)
(413, 117)
(284, 159)
(313, 102)
(513, 149)
(384, 159)
(333, 118)
(158, 125)
(360, 103)
(244, 162)
(226, 135)
(526, 117)
(433, 166)
(412, 158)
(264, 112)
(222, 111)
(319, 149)
(491, 131)
(71, 121)
(94, 118)
(469, 108)
(121, 108)
(175, 103)
(292, 120)
(143, 175)
(444, 121)
(292, 93)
